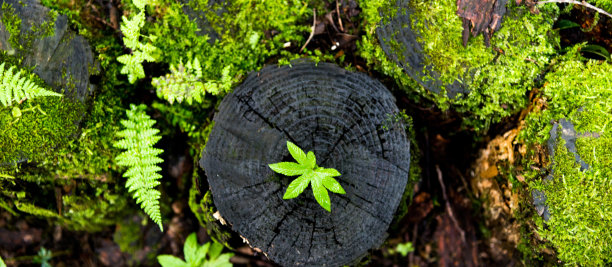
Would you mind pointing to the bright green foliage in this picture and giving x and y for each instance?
(206, 255)
(497, 76)
(142, 158)
(13, 87)
(239, 37)
(132, 63)
(580, 225)
(2, 264)
(31, 129)
(404, 248)
(306, 167)
(185, 83)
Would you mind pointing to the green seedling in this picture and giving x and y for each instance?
(306, 167)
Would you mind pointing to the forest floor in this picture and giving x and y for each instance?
(459, 215)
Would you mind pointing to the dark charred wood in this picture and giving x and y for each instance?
(343, 117)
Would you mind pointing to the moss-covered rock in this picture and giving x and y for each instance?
(573, 194)
(419, 43)
(56, 153)
(37, 39)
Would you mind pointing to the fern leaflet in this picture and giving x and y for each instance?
(141, 157)
(186, 82)
(132, 63)
(13, 87)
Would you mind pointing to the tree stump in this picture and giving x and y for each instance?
(426, 49)
(343, 117)
(403, 46)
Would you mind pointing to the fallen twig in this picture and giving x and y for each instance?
(577, 3)
(312, 30)
(339, 19)
(448, 207)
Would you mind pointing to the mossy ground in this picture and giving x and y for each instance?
(580, 206)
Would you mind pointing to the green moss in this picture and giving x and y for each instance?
(580, 205)
(33, 128)
(21, 39)
(240, 37)
(203, 207)
(497, 77)
(12, 23)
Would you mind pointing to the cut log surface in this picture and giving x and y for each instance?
(399, 41)
(64, 60)
(343, 118)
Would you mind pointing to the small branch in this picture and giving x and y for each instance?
(339, 19)
(585, 4)
(312, 30)
(448, 207)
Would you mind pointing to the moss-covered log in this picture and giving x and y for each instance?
(424, 46)
(571, 130)
(343, 118)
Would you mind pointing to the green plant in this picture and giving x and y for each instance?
(2, 264)
(404, 248)
(43, 257)
(306, 167)
(185, 83)
(13, 87)
(141, 157)
(206, 255)
(132, 63)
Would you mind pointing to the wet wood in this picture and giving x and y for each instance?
(343, 118)
(480, 16)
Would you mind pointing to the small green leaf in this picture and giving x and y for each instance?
(221, 261)
(312, 160)
(297, 186)
(328, 171)
(320, 194)
(215, 250)
(201, 254)
(404, 248)
(288, 168)
(297, 153)
(2, 264)
(171, 261)
(333, 185)
(596, 50)
(567, 24)
(190, 248)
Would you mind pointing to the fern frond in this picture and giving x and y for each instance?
(182, 83)
(141, 157)
(130, 27)
(14, 88)
(185, 82)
